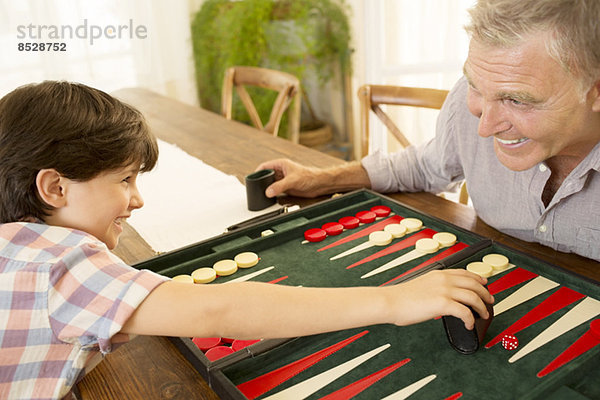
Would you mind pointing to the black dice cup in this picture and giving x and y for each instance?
(256, 184)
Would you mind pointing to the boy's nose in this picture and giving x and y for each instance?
(136, 200)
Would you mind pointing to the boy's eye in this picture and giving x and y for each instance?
(127, 179)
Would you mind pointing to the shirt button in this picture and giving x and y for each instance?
(543, 228)
(543, 168)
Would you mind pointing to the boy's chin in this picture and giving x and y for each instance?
(111, 243)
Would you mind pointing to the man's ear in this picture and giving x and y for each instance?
(51, 188)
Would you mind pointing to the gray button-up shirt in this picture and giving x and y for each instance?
(510, 201)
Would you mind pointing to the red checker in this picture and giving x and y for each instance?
(366, 217)
(240, 344)
(381, 211)
(315, 235)
(349, 222)
(510, 342)
(206, 343)
(333, 228)
(218, 352)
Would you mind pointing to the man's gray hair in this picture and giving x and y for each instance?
(573, 28)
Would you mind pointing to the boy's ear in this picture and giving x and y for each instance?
(596, 99)
(50, 186)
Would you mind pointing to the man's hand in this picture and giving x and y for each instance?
(297, 180)
(293, 179)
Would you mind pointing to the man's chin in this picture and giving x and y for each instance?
(514, 163)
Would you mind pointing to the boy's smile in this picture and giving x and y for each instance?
(100, 205)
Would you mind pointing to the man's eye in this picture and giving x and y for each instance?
(127, 179)
(516, 102)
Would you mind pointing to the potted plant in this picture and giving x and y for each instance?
(307, 38)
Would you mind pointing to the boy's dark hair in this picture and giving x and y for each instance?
(77, 130)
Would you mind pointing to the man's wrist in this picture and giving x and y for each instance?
(344, 178)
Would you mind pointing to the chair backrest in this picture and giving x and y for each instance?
(287, 85)
(372, 96)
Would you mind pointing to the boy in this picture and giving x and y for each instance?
(69, 159)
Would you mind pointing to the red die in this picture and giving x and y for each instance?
(510, 342)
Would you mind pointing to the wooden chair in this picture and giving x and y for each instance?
(287, 85)
(371, 97)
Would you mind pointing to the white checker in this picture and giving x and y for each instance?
(183, 279)
(397, 230)
(246, 259)
(204, 275)
(412, 224)
(427, 245)
(497, 261)
(445, 239)
(480, 268)
(380, 238)
(225, 267)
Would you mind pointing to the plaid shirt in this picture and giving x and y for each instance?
(63, 300)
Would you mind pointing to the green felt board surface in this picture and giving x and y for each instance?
(485, 374)
(301, 262)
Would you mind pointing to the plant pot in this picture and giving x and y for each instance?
(317, 135)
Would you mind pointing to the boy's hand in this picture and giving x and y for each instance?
(437, 293)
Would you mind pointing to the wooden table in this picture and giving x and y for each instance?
(150, 367)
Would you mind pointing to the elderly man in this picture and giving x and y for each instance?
(522, 127)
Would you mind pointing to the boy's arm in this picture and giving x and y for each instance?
(253, 310)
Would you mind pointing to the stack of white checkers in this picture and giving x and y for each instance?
(489, 265)
(220, 268)
(431, 245)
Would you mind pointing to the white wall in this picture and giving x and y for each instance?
(408, 43)
(400, 42)
(161, 61)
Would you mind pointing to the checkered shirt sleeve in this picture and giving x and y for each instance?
(63, 300)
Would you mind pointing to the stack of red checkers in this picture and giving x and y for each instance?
(381, 211)
(218, 352)
(350, 222)
(366, 217)
(215, 348)
(510, 342)
(315, 235)
(240, 344)
(333, 228)
(206, 343)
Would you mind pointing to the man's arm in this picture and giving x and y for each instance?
(297, 180)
